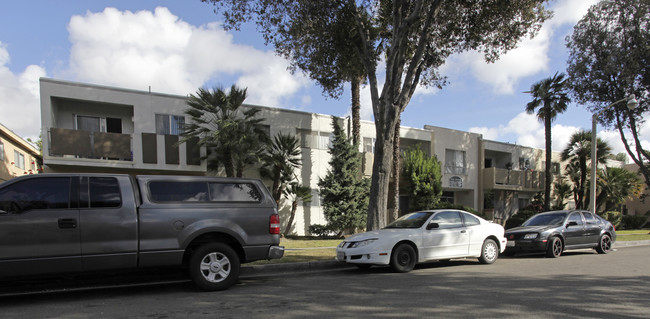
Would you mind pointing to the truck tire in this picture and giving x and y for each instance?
(214, 266)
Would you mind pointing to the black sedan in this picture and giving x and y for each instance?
(557, 231)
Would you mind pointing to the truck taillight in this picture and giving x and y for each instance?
(274, 224)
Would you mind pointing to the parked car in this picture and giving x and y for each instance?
(556, 231)
(71, 223)
(424, 236)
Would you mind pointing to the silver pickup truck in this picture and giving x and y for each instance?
(69, 223)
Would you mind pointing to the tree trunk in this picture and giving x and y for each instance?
(381, 168)
(294, 206)
(396, 171)
(549, 176)
(356, 109)
(228, 164)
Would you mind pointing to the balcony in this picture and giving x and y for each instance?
(86, 144)
(504, 179)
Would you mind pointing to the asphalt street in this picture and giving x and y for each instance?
(579, 284)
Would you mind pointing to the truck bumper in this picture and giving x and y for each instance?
(276, 252)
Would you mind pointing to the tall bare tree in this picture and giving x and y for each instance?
(609, 59)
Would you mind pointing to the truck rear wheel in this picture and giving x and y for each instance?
(214, 266)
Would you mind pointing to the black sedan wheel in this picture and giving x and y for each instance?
(403, 258)
(554, 248)
(605, 244)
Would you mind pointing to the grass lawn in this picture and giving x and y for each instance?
(302, 250)
(630, 235)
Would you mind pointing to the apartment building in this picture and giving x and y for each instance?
(93, 128)
(17, 156)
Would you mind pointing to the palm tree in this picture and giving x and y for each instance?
(280, 158)
(579, 151)
(231, 135)
(550, 99)
(562, 191)
(616, 185)
(296, 192)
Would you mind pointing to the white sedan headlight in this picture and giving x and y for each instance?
(530, 236)
(362, 243)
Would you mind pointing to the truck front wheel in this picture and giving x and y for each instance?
(214, 266)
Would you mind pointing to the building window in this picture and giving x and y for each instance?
(167, 124)
(455, 162)
(2, 151)
(447, 197)
(456, 182)
(524, 164)
(314, 139)
(369, 145)
(19, 160)
(555, 167)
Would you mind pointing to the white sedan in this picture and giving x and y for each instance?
(417, 237)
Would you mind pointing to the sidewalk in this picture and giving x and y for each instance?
(333, 265)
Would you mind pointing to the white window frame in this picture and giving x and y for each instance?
(457, 164)
(19, 160)
(172, 124)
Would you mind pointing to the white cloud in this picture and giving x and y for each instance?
(19, 97)
(157, 49)
(526, 130)
(570, 11)
(529, 58)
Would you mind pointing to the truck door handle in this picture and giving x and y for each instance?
(67, 223)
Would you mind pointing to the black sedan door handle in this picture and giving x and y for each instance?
(67, 223)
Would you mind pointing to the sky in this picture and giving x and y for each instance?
(176, 47)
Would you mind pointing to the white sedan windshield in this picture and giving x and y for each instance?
(411, 220)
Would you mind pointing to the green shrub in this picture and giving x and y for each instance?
(519, 218)
(614, 217)
(634, 221)
(320, 230)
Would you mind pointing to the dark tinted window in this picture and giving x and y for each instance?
(470, 220)
(38, 193)
(545, 219)
(234, 192)
(589, 218)
(447, 220)
(162, 191)
(104, 192)
(575, 217)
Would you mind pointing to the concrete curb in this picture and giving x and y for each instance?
(331, 265)
(632, 243)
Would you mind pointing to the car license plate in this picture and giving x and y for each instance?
(510, 243)
(340, 256)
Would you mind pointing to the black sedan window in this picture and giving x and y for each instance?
(546, 219)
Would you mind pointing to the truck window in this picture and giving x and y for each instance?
(234, 192)
(37, 193)
(163, 191)
(104, 192)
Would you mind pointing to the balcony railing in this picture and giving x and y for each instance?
(501, 178)
(86, 144)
